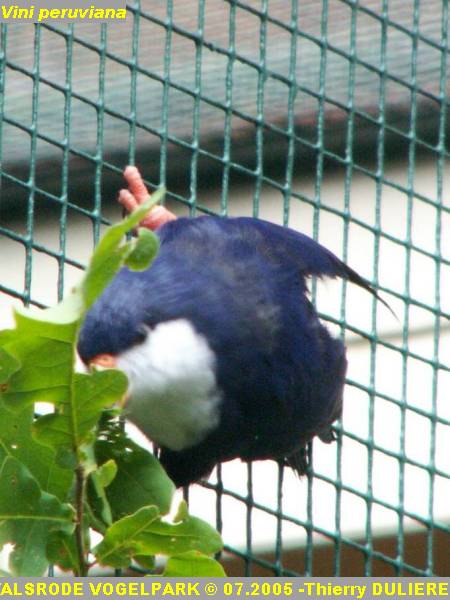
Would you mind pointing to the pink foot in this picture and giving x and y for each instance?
(137, 194)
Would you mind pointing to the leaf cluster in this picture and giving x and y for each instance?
(74, 470)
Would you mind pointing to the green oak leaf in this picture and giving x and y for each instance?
(182, 512)
(45, 352)
(6, 335)
(76, 417)
(27, 517)
(106, 473)
(68, 312)
(174, 538)
(138, 472)
(8, 366)
(62, 551)
(145, 533)
(193, 564)
(146, 562)
(99, 480)
(16, 441)
(122, 539)
(145, 249)
(110, 253)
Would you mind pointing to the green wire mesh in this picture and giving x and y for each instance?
(211, 97)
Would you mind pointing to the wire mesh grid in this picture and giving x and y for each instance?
(210, 98)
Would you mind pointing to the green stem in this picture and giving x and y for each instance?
(79, 528)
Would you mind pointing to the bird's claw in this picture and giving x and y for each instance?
(136, 194)
(328, 435)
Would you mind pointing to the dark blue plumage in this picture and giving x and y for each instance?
(241, 283)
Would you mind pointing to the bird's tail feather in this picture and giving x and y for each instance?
(298, 461)
(352, 276)
(304, 253)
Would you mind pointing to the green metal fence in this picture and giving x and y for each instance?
(329, 116)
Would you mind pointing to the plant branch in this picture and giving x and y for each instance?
(79, 529)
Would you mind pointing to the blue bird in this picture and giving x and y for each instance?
(225, 354)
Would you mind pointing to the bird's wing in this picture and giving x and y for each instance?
(284, 248)
(310, 257)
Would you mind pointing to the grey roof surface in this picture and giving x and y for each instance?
(195, 106)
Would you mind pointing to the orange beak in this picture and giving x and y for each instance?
(106, 361)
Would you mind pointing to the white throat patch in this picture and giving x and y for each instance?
(174, 397)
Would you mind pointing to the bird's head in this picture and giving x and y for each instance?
(173, 396)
